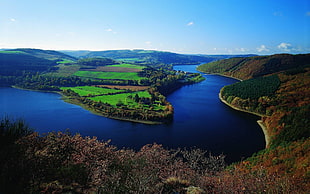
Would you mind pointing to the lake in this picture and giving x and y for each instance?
(200, 120)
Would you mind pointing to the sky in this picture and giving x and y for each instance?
(182, 26)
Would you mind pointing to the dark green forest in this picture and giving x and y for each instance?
(252, 88)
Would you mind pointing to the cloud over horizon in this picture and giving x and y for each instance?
(262, 48)
(285, 46)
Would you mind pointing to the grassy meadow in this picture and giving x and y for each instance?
(108, 75)
(128, 66)
(115, 95)
(123, 98)
(92, 90)
(64, 61)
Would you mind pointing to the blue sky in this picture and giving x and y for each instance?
(182, 26)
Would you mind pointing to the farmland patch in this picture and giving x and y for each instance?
(109, 75)
(126, 87)
(92, 90)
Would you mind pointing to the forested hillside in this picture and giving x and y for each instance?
(16, 62)
(250, 67)
(280, 94)
(45, 54)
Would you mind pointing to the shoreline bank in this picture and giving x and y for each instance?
(75, 102)
(259, 122)
(221, 75)
(70, 101)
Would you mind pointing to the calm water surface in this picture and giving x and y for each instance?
(200, 120)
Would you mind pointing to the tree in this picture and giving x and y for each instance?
(119, 103)
(136, 98)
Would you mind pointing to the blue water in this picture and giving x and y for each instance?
(200, 120)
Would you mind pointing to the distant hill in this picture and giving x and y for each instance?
(45, 54)
(250, 67)
(75, 53)
(151, 56)
(16, 61)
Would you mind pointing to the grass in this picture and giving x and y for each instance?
(106, 95)
(92, 90)
(109, 75)
(65, 70)
(64, 61)
(126, 87)
(124, 98)
(128, 66)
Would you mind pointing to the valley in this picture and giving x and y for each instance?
(275, 87)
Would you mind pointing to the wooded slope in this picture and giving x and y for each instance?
(278, 88)
(251, 67)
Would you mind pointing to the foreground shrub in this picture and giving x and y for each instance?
(62, 163)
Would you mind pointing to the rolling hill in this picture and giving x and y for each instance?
(44, 54)
(151, 56)
(15, 62)
(250, 67)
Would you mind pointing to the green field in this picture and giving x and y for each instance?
(128, 66)
(64, 70)
(92, 90)
(109, 75)
(114, 99)
(64, 61)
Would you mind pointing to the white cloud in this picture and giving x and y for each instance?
(262, 48)
(12, 19)
(285, 46)
(241, 49)
(149, 43)
(190, 23)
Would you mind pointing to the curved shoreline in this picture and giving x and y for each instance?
(259, 122)
(85, 107)
(221, 75)
(70, 101)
